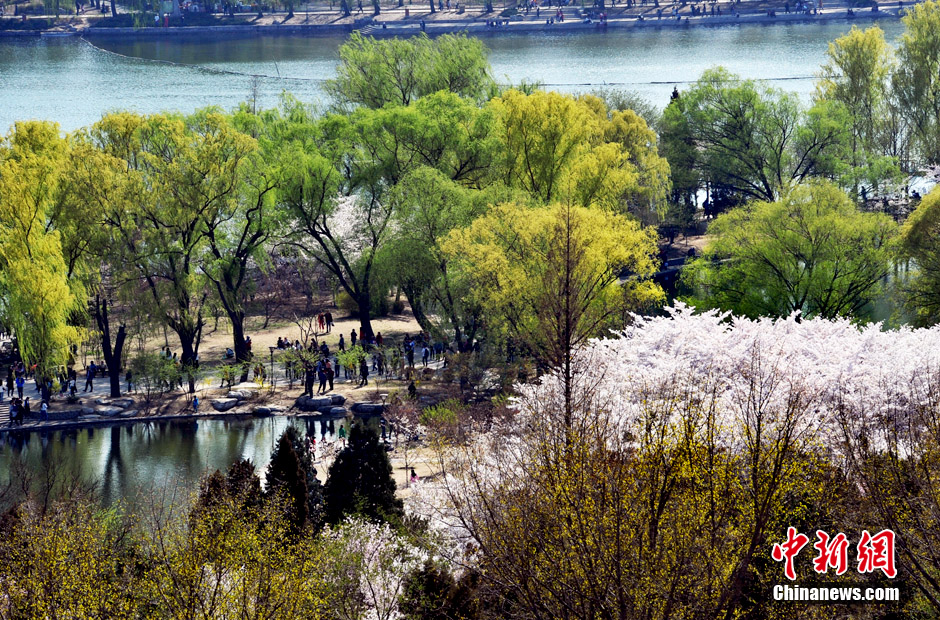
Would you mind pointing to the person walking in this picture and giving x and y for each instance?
(321, 375)
(89, 378)
(20, 382)
(425, 355)
(44, 411)
(352, 338)
(329, 322)
(330, 374)
(342, 344)
(363, 372)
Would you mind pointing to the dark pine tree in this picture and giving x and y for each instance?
(243, 484)
(314, 486)
(360, 481)
(286, 478)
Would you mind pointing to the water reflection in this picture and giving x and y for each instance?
(134, 462)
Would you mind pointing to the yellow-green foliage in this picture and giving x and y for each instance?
(561, 149)
(536, 268)
(919, 244)
(36, 298)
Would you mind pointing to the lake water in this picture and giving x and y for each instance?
(160, 460)
(73, 82)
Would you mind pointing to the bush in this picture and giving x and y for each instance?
(154, 374)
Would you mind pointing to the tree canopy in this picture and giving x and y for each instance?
(812, 251)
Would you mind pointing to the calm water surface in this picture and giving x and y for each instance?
(73, 81)
(162, 460)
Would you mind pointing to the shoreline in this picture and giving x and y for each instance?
(475, 26)
(52, 426)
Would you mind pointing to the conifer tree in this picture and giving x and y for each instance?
(360, 481)
(286, 477)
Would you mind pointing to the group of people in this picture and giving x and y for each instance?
(19, 410)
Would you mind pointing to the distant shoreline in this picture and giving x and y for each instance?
(473, 24)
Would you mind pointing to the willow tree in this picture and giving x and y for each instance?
(378, 72)
(918, 244)
(811, 252)
(187, 172)
(36, 296)
(558, 148)
(338, 173)
(857, 75)
(95, 184)
(917, 79)
(754, 141)
(550, 276)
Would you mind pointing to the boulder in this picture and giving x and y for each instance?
(87, 410)
(240, 394)
(267, 409)
(337, 399)
(368, 408)
(313, 403)
(128, 413)
(123, 403)
(108, 412)
(338, 411)
(223, 404)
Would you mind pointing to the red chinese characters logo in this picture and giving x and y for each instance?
(877, 553)
(874, 552)
(788, 550)
(831, 553)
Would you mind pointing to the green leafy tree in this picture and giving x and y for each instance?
(557, 148)
(37, 297)
(376, 72)
(188, 174)
(337, 173)
(428, 205)
(754, 140)
(916, 81)
(549, 276)
(360, 481)
(678, 146)
(919, 246)
(857, 76)
(812, 252)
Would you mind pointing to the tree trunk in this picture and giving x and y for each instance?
(376, 7)
(113, 8)
(188, 344)
(112, 355)
(242, 354)
(417, 309)
(433, 10)
(365, 320)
